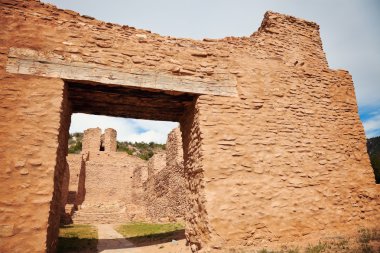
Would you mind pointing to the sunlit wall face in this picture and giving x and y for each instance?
(349, 43)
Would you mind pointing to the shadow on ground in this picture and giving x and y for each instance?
(75, 244)
(83, 245)
(157, 238)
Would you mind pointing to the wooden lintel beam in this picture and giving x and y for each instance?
(47, 64)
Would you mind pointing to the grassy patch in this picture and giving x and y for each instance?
(366, 241)
(149, 233)
(77, 238)
(320, 247)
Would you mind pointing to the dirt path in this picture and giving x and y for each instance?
(111, 241)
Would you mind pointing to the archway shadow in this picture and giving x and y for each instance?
(81, 245)
(158, 238)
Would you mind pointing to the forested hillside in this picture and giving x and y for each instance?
(373, 147)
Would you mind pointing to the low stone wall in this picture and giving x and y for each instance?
(109, 177)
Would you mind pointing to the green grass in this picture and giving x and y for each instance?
(141, 233)
(77, 238)
(365, 242)
(319, 248)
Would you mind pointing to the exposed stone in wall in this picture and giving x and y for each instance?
(77, 188)
(65, 217)
(92, 140)
(101, 185)
(156, 163)
(65, 185)
(109, 140)
(31, 132)
(197, 223)
(137, 206)
(164, 189)
(109, 187)
(109, 177)
(174, 151)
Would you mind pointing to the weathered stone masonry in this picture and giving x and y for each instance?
(102, 182)
(274, 151)
(164, 191)
(115, 187)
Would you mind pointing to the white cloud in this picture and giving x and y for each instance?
(372, 126)
(149, 136)
(127, 129)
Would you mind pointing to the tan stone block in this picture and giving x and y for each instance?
(6, 230)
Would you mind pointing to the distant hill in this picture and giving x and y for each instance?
(75, 143)
(140, 149)
(373, 149)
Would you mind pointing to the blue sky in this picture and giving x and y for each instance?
(350, 31)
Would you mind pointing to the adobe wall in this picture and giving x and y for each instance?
(65, 218)
(109, 137)
(139, 177)
(109, 177)
(33, 138)
(104, 186)
(165, 187)
(156, 163)
(102, 181)
(92, 139)
(284, 161)
(174, 150)
(288, 156)
(77, 170)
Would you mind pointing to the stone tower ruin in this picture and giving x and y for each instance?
(274, 150)
(113, 187)
(94, 140)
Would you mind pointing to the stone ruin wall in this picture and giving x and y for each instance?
(291, 155)
(28, 191)
(109, 177)
(92, 139)
(283, 162)
(156, 163)
(124, 184)
(101, 181)
(77, 170)
(109, 140)
(164, 189)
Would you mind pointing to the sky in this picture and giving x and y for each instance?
(350, 31)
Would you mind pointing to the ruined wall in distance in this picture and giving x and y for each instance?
(164, 189)
(77, 169)
(109, 177)
(92, 139)
(137, 206)
(103, 190)
(110, 140)
(156, 163)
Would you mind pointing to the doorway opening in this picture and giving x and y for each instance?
(110, 181)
